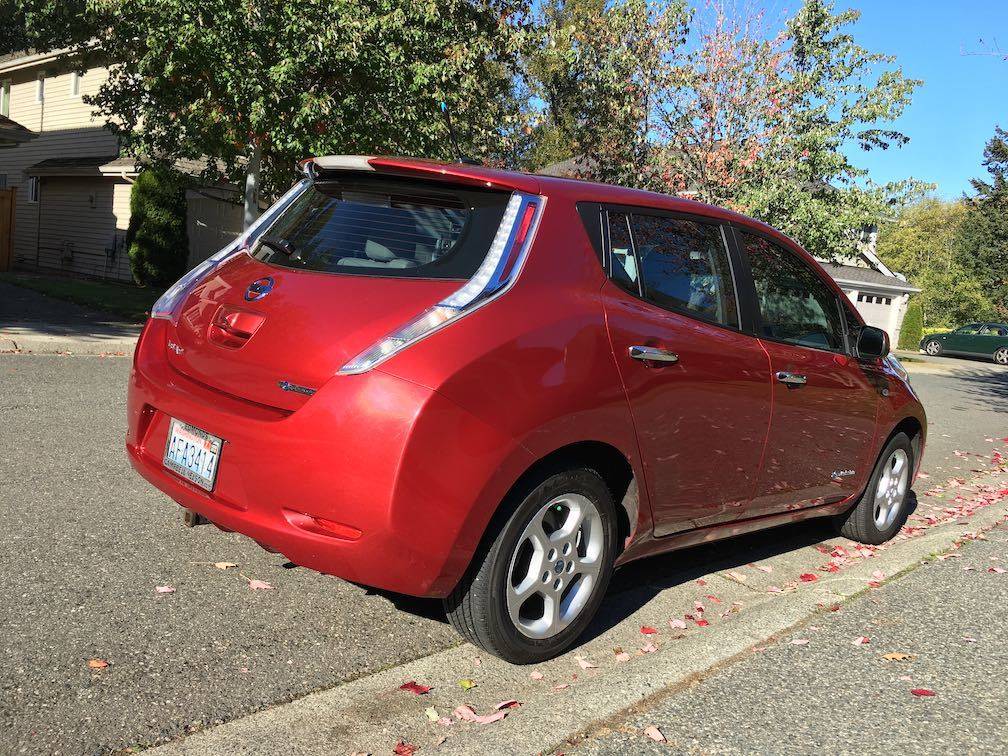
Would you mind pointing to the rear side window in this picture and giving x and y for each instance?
(378, 227)
(684, 267)
(675, 263)
(795, 305)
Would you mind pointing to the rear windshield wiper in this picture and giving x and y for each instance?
(282, 246)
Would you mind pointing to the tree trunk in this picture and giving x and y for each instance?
(252, 186)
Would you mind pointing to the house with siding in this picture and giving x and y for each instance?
(72, 185)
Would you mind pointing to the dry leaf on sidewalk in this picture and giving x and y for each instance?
(655, 734)
(415, 688)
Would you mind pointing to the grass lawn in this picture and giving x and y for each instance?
(125, 300)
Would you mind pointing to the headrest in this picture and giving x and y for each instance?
(377, 251)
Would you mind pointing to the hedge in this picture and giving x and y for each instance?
(157, 241)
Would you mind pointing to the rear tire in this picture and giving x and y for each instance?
(527, 568)
(882, 509)
(933, 347)
(1001, 356)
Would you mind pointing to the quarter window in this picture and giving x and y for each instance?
(622, 263)
(795, 304)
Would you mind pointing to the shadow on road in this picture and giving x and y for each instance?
(989, 385)
(637, 583)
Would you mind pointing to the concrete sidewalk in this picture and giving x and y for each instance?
(940, 628)
(33, 322)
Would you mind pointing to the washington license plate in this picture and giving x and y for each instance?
(192, 453)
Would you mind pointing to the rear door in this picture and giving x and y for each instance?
(819, 447)
(699, 388)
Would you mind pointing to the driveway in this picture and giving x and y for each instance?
(86, 544)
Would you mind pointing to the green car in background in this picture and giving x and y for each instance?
(974, 340)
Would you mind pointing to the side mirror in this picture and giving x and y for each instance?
(872, 343)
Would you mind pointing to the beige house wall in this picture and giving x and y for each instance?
(66, 128)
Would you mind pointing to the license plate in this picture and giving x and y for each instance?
(192, 453)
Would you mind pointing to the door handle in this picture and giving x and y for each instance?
(791, 379)
(653, 354)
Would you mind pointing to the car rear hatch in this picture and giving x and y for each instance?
(351, 259)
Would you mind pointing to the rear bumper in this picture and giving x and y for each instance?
(415, 474)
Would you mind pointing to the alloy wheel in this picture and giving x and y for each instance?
(891, 489)
(555, 567)
(932, 348)
(1001, 356)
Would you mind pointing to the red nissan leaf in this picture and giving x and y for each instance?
(494, 388)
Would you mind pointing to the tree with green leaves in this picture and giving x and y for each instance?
(594, 70)
(717, 105)
(157, 241)
(249, 88)
(838, 96)
(925, 243)
(985, 229)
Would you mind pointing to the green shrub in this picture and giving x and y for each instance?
(157, 241)
(913, 326)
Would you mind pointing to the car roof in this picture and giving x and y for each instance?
(575, 189)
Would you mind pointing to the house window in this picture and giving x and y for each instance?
(3, 180)
(75, 78)
(40, 87)
(5, 98)
(33, 188)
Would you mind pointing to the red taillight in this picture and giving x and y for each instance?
(519, 240)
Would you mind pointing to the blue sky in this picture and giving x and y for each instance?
(963, 96)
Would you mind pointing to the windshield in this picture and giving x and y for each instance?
(374, 226)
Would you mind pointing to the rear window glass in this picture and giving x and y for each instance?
(380, 227)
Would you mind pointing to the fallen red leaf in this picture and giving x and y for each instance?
(702, 623)
(861, 640)
(97, 663)
(647, 630)
(415, 688)
(808, 577)
(923, 692)
(404, 749)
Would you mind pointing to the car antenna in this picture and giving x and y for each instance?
(451, 134)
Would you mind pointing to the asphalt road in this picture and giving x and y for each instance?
(813, 691)
(86, 542)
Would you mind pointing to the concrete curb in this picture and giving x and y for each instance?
(370, 714)
(68, 345)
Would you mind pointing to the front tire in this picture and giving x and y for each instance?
(1001, 356)
(933, 347)
(532, 590)
(882, 509)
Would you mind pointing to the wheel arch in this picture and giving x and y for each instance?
(612, 465)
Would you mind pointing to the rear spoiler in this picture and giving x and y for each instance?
(472, 175)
